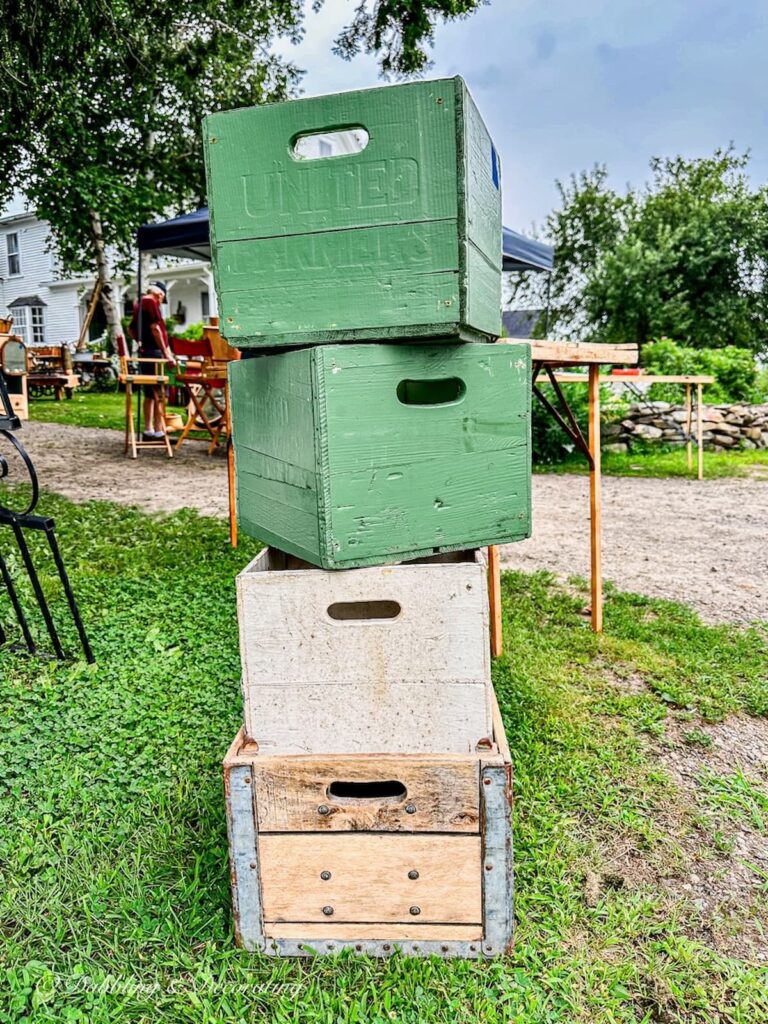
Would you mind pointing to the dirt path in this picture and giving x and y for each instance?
(85, 463)
(702, 543)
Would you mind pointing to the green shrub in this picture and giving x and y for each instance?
(734, 369)
(551, 444)
(193, 333)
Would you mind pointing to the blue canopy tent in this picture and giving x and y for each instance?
(188, 235)
(521, 253)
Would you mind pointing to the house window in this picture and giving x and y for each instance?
(205, 305)
(29, 324)
(20, 325)
(14, 254)
(37, 323)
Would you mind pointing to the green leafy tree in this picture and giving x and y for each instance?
(398, 31)
(101, 102)
(685, 257)
(103, 116)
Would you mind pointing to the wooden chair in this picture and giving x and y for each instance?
(205, 378)
(130, 373)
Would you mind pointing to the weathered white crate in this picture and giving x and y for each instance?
(384, 659)
(371, 853)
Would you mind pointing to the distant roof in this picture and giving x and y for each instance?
(519, 323)
(188, 235)
(26, 300)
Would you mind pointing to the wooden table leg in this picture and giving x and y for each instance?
(494, 599)
(595, 499)
(231, 487)
(700, 431)
(129, 437)
(688, 426)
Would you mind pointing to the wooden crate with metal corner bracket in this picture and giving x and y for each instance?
(372, 852)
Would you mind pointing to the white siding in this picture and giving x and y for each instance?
(62, 317)
(66, 300)
(189, 293)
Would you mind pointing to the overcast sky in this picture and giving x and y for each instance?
(570, 83)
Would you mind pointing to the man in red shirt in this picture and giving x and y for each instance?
(148, 329)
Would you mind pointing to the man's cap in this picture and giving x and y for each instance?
(160, 287)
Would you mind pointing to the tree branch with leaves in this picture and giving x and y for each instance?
(101, 102)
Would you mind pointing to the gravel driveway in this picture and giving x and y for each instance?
(701, 542)
(704, 543)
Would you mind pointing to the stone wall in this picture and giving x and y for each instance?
(725, 426)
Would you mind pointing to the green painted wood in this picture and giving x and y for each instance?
(385, 480)
(399, 241)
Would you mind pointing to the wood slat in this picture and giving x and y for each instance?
(407, 932)
(499, 733)
(577, 352)
(494, 601)
(442, 794)
(369, 878)
(243, 750)
(635, 378)
(372, 716)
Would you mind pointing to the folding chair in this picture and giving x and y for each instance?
(130, 374)
(205, 379)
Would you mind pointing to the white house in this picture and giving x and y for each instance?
(48, 308)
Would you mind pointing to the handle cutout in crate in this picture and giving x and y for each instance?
(380, 790)
(329, 143)
(349, 611)
(441, 391)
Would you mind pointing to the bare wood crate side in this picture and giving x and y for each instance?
(371, 717)
(367, 245)
(440, 795)
(287, 635)
(371, 877)
(376, 938)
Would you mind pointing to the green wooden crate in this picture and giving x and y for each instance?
(351, 455)
(399, 241)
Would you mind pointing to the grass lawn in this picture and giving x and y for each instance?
(87, 409)
(671, 463)
(84, 409)
(114, 887)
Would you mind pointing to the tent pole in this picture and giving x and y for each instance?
(546, 311)
(138, 331)
(138, 298)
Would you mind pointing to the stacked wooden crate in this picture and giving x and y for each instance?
(377, 430)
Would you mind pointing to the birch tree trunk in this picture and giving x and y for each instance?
(104, 275)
